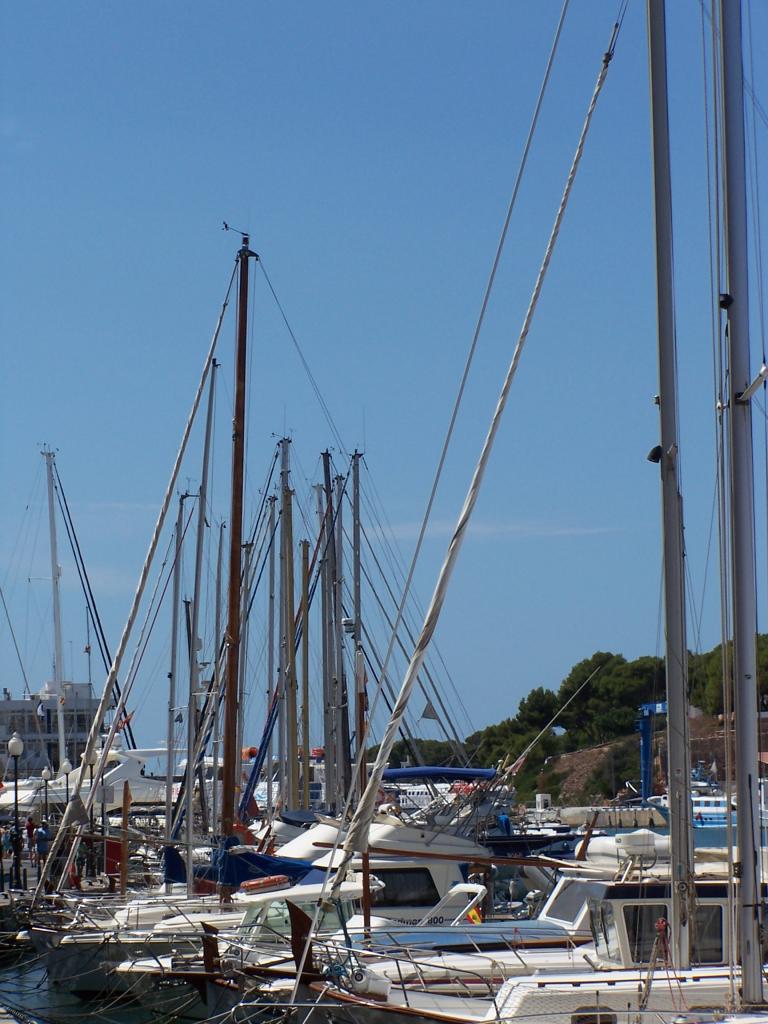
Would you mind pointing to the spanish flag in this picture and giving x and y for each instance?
(474, 917)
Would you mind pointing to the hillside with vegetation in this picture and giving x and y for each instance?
(600, 722)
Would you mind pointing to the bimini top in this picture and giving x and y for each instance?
(441, 774)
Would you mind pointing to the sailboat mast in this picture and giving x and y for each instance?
(325, 515)
(217, 684)
(172, 674)
(360, 697)
(246, 590)
(291, 704)
(361, 701)
(49, 456)
(735, 302)
(305, 675)
(282, 662)
(194, 643)
(231, 753)
(343, 772)
(271, 647)
(678, 749)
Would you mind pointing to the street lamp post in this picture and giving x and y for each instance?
(65, 768)
(15, 750)
(45, 774)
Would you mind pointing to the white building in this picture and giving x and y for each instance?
(35, 719)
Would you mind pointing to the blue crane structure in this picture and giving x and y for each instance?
(644, 726)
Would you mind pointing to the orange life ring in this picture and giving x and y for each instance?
(265, 884)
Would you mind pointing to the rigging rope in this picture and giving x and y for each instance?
(93, 736)
(85, 583)
(357, 837)
(456, 741)
(473, 345)
(475, 337)
(15, 644)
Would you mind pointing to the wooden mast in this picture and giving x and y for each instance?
(231, 754)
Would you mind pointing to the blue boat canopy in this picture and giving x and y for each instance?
(438, 774)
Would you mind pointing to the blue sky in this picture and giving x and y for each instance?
(370, 150)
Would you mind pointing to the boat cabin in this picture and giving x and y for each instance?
(630, 923)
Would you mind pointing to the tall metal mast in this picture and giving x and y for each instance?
(678, 749)
(49, 456)
(291, 703)
(324, 520)
(231, 753)
(173, 671)
(341, 701)
(217, 682)
(282, 661)
(360, 695)
(194, 642)
(736, 303)
(271, 647)
(305, 767)
(361, 700)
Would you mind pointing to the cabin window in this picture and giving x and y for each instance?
(405, 887)
(604, 930)
(568, 903)
(275, 919)
(708, 935)
(641, 919)
(593, 1015)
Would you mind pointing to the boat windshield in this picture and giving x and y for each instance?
(568, 903)
(604, 931)
(274, 919)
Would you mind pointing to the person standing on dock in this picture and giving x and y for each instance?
(30, 827)
(42, 841)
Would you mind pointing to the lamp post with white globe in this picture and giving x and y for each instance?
(65, 768)
(15, 750)
(45, 774)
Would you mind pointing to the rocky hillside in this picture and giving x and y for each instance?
(582, 777)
